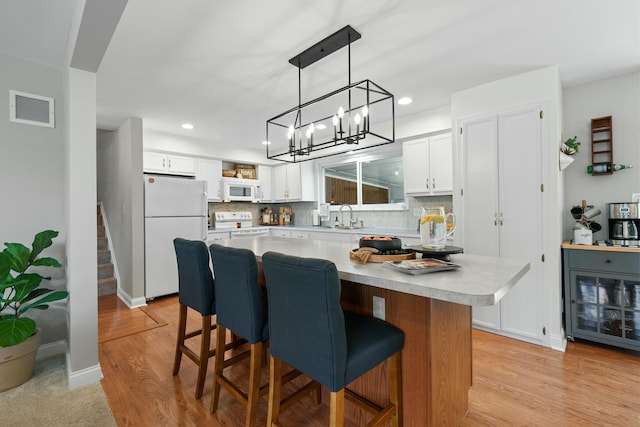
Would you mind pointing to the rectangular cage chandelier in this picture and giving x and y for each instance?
(357, 116)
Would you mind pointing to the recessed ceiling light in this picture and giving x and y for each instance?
(405, 101)
(266, 142)
(321, 126)
(187, 126)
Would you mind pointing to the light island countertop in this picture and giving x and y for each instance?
(481, 280)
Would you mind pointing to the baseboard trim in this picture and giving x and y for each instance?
(83, 377)
(559, 342)
(131, 302)
(51, 349)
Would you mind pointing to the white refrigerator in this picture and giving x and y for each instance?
(173, 207)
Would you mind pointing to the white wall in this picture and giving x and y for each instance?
(618, 97)
(120, 189)
(170, 143)
(32, 165)
(537, 86)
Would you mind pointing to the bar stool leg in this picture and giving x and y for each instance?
(336, 408)
(221, 335)
(182, 326)
(275, 385)
(394, 369)
(254, 383)
(204, 354)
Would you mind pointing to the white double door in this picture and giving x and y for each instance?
(502, 198)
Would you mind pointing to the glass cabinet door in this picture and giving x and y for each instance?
(606, 305)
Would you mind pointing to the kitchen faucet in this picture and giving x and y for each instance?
(351, 220)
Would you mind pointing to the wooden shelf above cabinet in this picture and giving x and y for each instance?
(602, 143)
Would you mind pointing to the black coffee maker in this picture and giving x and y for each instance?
(624, 223)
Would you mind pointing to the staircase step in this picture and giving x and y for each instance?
(107, 286)
(101, 231)
(104, 256)
(105, 271)
(103, 243)
(98, 209)
(99, 220)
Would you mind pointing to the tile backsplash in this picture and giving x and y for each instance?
(302, 212)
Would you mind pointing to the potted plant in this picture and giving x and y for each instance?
(570, 147)
(20, 292)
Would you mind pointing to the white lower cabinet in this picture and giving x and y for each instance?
(218, 235)
(502, 212)
(280, 232)
(330, 236)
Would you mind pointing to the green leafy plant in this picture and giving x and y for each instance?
(20, 291)
(571, 146)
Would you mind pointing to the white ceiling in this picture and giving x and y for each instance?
(223, 66)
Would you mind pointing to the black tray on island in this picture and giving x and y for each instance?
(441, 254)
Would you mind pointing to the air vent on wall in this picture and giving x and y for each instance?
(31, 109)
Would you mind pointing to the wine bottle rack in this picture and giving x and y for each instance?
(602, 144)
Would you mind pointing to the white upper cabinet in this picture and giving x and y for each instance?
(266, 183)
(168, 163)
(210, 171)
(294, 182)
(428, 166)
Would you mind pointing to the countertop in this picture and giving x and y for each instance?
(386, 231)
(481, 280)
(568, 245)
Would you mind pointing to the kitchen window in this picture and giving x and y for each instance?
(368, 182)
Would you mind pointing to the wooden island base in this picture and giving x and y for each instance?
(436, 359)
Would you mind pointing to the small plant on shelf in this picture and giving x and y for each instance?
(570, 146)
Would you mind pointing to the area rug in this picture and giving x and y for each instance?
(45, 400)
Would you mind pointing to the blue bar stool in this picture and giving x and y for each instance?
(309, 331)
(241, 308)
(195, 290)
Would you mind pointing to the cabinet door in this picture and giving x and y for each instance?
(264, 175)
(211, 172)
(280, 232)
(441, 164)
(154, 162)
(520, 218)
(181, 165)
(415, 156)
(480, 231)
(280, 183)
(294, 182)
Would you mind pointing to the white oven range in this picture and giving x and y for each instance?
(240, 224)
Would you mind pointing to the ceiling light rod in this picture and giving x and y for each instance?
(300, 144)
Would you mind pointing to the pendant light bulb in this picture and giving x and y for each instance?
(291, 132)
(356, 119)
(335, 120)
(365, 111)
(341, 112)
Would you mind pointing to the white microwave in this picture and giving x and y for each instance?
(237, 189)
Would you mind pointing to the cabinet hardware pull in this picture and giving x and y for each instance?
(433, 183)
(164, 163)
(501, 218)
(495, 218)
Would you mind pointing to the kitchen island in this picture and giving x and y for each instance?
(433, 310)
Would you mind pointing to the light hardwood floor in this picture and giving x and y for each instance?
(514, 383)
